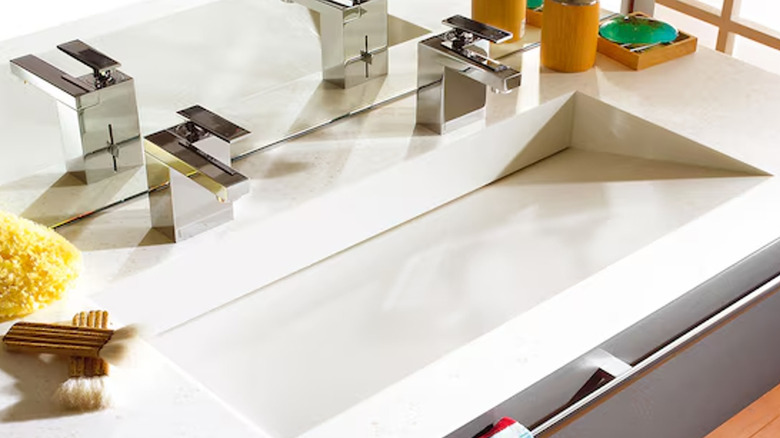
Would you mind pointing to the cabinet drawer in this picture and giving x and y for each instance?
(680, 372)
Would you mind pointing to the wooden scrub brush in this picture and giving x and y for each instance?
(88, 386)
(90, 345)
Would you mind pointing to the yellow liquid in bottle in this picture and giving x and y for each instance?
(503, 14)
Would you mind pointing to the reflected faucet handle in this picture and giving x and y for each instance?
(467, 31)
(102, 66)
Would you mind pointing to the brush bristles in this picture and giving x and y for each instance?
(118, 349)
(127, 332)
(115, 352)
(85, 393)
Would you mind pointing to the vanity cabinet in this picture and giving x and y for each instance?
(680, 373)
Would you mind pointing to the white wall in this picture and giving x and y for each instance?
(23, 18)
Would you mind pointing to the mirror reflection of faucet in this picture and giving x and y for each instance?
(192, 186)
(453, 73)
(353, 36)
(98, 112)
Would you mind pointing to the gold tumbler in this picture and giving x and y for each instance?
(570, 32)
(503, 14)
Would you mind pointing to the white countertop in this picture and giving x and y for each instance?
(380, 171)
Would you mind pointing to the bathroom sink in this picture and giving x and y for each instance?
(596, 185)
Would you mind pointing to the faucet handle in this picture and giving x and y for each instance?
(479, 30)
(216, 125)
(102, 66)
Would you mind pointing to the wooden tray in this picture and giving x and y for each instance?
(685, 44)
(533, 17)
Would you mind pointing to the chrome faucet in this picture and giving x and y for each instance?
(98, 112)
(198, 151)
(353, 36)
(453, 72)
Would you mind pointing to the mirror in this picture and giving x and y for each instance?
(256, 62)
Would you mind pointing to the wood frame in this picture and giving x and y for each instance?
(728, 25)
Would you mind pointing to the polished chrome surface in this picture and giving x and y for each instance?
(198, 151)
(98, 112)
(354, 39)
(453, 72)
(177, 153)
(216, 125)
(50, 79)
(102, 66)
(286, 100)
(480, 30)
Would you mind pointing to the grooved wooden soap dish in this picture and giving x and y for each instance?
(533, 16)
(638, 58)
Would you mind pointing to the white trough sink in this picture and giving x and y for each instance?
(310, 346)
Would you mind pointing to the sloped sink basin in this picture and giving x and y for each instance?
(310, 346)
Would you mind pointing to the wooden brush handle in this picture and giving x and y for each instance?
(51, 348)
(40, 327)
(89, 366)
(37, 338)
(46, 335)
(30, 337)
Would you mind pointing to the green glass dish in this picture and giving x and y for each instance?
(533, 4)
(637, 30)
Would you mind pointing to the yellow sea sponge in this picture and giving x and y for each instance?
(37, 266)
